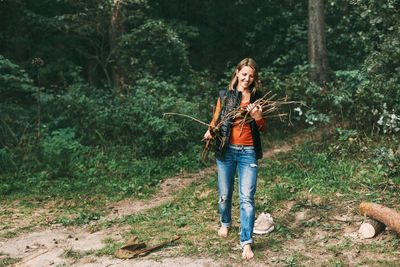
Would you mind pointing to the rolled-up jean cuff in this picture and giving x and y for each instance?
(227, 225)
(244, 243)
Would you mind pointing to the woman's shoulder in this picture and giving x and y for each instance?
(223, 93)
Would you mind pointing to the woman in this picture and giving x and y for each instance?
(239, 148)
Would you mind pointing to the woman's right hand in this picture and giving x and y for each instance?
(208, 135)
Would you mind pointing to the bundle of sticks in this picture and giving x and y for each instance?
(240, 116)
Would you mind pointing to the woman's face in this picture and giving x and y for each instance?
(245, 78)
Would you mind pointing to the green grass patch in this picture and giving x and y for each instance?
(75, 254)
(109, 249)
(7, 261)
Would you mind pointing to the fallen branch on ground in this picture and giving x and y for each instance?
(133, 248)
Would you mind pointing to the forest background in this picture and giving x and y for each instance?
(84, 84)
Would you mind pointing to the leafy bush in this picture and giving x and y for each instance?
(16, 94)
(381, 89)
(368, 97)
(60, 152)
(312, 105)
(388, 160)
(134, 119)
(6, 161)
(13, 80)
(158, 50)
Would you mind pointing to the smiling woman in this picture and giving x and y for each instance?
(245, 66)
(239, 147)
(245, 77)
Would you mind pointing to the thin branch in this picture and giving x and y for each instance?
(239, 115)
(187, 116)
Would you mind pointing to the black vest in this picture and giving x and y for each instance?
(233, 99)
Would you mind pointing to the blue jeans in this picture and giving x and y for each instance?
(244, 158)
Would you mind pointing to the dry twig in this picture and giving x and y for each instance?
(240, 115)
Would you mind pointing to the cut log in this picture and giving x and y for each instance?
(389, 217)
(370, 228)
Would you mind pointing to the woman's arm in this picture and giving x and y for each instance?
(208, 135)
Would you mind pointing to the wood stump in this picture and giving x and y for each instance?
(370, 228)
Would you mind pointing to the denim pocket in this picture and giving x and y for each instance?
(250, 152)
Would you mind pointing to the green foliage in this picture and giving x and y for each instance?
(70, 253)
(5, 159)
(345, 134)
(134, 119)
(113, 172)
(16, 105)
(264, 30)
(60, 150)
(355, 28)
(382, 74)
(388, 160)
(312, 102)
(367, 97)
(142, 147)
(349, 143)
(8, 261)
(13, 80)
(158, 50)
(279, 192)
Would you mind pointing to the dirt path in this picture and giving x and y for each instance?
(46, 247)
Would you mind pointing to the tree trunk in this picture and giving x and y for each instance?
(389, 217)
(115, 33)
(317, 52)
(91, 71)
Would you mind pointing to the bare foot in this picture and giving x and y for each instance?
(223, 231)
(247, 252)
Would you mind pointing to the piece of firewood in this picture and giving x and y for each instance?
(389, 217)
(370, 228)
(134, 248)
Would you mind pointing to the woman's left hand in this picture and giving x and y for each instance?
(255, 111)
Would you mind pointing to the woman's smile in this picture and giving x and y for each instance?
(245, 78)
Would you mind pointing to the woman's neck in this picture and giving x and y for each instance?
(245, 94)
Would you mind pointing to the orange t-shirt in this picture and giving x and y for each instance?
(245, 138)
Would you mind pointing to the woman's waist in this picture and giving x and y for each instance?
(241, 147)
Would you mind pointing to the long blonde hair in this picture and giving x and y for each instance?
(252, 64)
